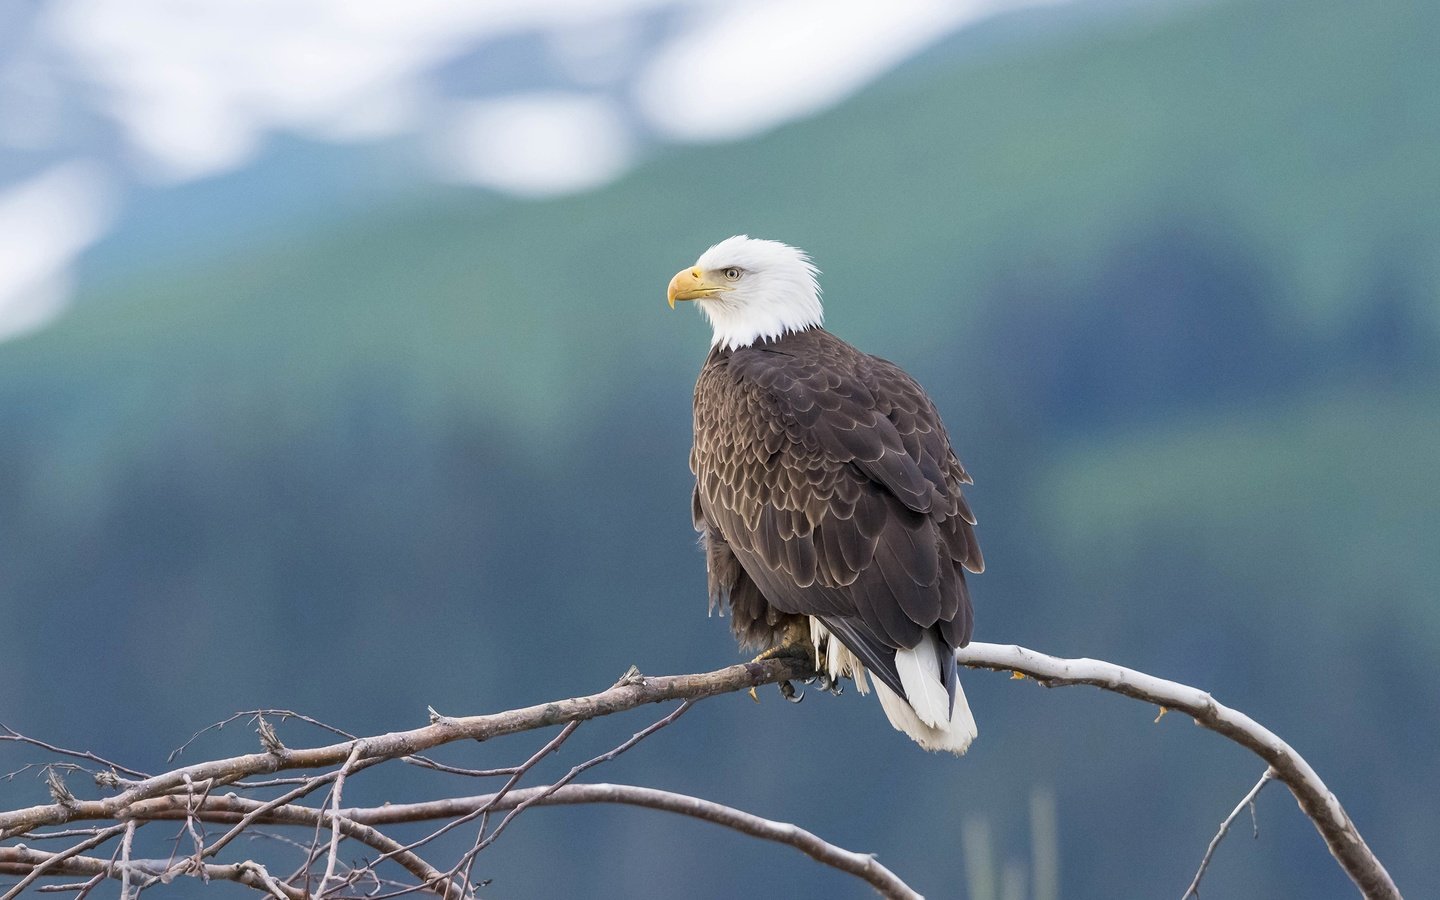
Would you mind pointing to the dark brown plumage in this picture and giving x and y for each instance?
(826, 486)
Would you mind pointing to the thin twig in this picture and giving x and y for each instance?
(9, 734)
(1316, 800)
(125, 845)
(570, 776)
(335, 820)
(196, 832)
(550, 747)
(426, 762)
(254, 715)
(260, 809)
(54, 860)
(81, 890)
(63, 833)
(1248, 800)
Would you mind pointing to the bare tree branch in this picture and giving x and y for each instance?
(23, 860)
(406, 743)
(54, 861)
(550, 747)
(1248, 800)
(1316, 800)
(188, 793)
(334, 855)
(125, 844)
(574, 773)
(9, 734)
(861, 865)
(234, 809)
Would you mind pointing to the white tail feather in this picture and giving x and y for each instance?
(943, 730)
(919, 670)
(954, 735)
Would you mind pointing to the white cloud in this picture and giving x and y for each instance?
(45, 223)
(197, 85)
(748, 66)
(535, 144)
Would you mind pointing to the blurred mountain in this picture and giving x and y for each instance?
(1172, 284)
(160, 132)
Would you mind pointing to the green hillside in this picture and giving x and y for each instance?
(1345, 472)
(1173, 286)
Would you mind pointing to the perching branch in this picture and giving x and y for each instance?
(180, 787)
(193, 794)
(397, 744)
(1316, 800)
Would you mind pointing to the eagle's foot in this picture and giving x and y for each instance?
(830, 685)
(788, 649)
(794, 643)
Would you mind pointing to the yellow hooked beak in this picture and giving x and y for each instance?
(690, 284)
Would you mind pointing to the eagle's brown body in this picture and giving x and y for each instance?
(826, 488)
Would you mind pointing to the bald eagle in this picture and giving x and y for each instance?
(827, 496)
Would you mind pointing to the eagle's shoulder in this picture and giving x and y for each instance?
(798, 379)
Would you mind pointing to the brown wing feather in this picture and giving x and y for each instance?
(827, 474)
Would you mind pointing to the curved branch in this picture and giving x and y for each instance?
(861, 865)
(53, 862)
(1315, 799)
(23, 860)
(630, 693)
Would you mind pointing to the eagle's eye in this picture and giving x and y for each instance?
(732, 274)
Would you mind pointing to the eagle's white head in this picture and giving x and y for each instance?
(751, 290)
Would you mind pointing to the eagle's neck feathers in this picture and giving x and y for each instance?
(739, 326)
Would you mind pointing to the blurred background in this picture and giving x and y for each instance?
(337, 375)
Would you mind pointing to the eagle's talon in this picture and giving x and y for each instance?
(787, 690)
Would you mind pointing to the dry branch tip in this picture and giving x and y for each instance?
(269, 739)
(58, 791)
(631, 678)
